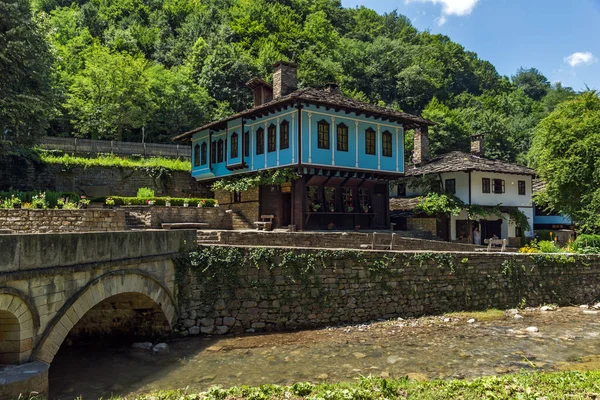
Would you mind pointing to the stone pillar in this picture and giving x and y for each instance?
(421, 145)
(284, 79)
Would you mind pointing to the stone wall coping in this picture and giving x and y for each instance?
(22, 252)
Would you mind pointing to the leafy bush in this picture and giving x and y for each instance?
(145, 193)
(548, 246)
(9, 198)
(110, 160)
(585, 241)
(160, 201)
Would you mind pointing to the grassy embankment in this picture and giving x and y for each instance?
(525, 386)
(115, 161)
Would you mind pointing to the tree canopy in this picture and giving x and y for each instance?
(566, 155)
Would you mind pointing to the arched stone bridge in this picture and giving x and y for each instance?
(57, 285)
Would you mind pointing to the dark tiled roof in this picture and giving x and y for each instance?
(538, 185)
(459, 161)
(321, 97)
(404, 203)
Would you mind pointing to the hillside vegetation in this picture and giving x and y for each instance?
(168, 66)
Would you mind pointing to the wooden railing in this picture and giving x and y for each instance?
(74, 145)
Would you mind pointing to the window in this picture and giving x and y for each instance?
(284, 135)
(271, 138)
(323, 131)
(197, 155)
(364, 200)
(498, 186)
(370, 141)
(342, 137)
(237, 197)
(450, 186)
(401, 190)
(213, 152)
(522, 190)
(234, 145)
(203, 154)
(485, 185)
(220, 150)
(386, 144)
(246, 144)
(260, 141)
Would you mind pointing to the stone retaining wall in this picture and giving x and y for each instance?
(335, 240)
(51, 221)
(153, 217)
(317, 288)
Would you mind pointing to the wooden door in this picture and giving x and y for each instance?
(286, 209)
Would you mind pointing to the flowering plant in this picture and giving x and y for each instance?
(330, 226)
(109, 201)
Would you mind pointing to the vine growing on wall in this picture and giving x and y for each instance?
(262, 178)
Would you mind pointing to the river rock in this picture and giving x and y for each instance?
(161, 348)
(207, 321)
(393, 359)
(591, 312)
(532, 329)
(546, 308)
(228, 321)
(194, 330)
(220, 305)
(207, 330)
(385, 374)
(323, 377)
(471, 321)
(596, 306)
(142, 345)
(258, 325)
(584, 306)
(188, 323)
(446, 319)
(518, 316)
(359, 355)
(221, 330)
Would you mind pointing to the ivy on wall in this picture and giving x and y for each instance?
(262, 178)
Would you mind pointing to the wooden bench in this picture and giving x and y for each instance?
(496, 245)
(266, 223)
(184, 225)
(374, 245)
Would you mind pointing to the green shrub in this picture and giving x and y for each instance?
(145, 193)
(548, 246)
(160, 201)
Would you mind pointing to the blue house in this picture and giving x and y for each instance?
(345, 150)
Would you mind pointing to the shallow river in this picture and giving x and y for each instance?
(425, 348)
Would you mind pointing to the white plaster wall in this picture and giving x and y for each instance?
(511, 197)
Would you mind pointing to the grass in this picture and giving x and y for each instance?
(110, 160)
(525, 386)
(484, 316)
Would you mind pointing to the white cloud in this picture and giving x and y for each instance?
(580, 58)
(451, 7)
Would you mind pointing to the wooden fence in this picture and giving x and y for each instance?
(73, 145)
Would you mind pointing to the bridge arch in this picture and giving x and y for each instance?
(105, 287)
(19, 322)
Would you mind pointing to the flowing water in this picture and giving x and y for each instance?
(425, 348)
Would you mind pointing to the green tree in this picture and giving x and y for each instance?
(532, 81)
(566, 155)
(26, 94)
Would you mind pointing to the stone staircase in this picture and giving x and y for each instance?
(207, 237)
(135, 221)
(240, 222)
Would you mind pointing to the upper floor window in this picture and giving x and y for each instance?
(260, 141)
(450, 186)
(498, 185)
(234, 145)
(342, 137)
(203, 154)
(271, 138)
(220, 150)
(386, 144)
(213, 152)
(485, 185)
(197, 155)
(284, 135)
(522, 190)
(370, 141)
(246, 144)
(323, 131)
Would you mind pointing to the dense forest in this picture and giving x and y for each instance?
(106, 69)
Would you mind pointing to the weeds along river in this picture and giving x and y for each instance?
(442, 347)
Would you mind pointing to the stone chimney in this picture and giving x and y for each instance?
(421, 145)
(477, 147)
(284, 78)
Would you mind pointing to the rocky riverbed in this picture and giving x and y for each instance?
(460, 345)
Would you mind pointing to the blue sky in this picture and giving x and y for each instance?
(561, 38)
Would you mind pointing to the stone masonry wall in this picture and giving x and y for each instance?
(153, 217)
(335, 240)
(339, 287)
(21, 174)
(50, 221)
(248, 205)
